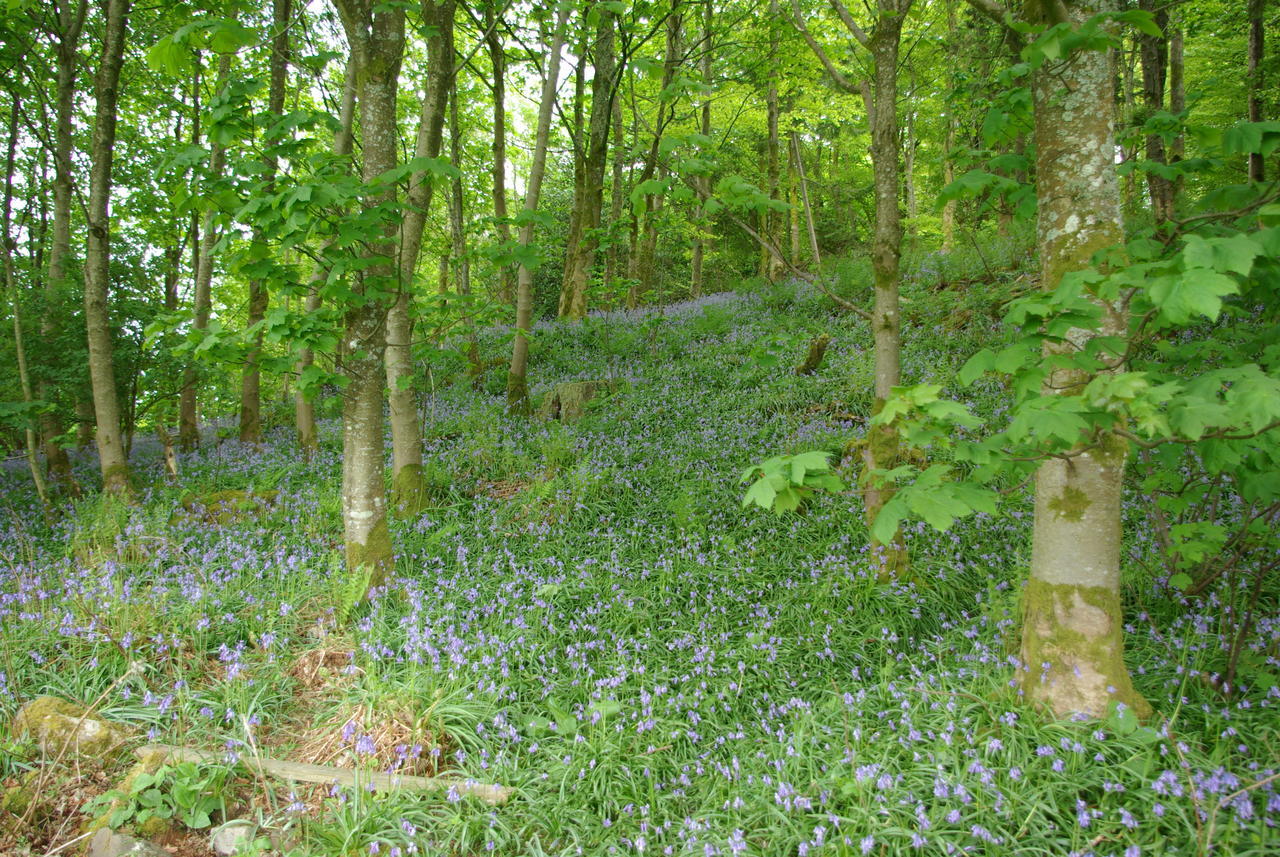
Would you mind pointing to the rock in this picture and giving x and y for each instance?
(56, 723)
(233, 837)
(567, 402)
(225, 507)
(108, 843)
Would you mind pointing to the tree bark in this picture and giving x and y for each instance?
(773, 268)
(1257, 170)
(70, 19)
(698, 277)
(949, 145)
(251, 377)
(498, 62)
(644, 229)
(613, 258)
(580, 258)
(202, 300)
(11, 286)
(106, 406)
(376, 36)
(882, 450)
(406, 429)
(1154, 55)
(1072, 635)
(517, 375)
(304, 406)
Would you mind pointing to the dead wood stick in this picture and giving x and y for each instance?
(302, 773)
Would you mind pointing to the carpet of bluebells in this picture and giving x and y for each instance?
(587, 614)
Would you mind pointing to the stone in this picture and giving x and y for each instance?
(108, 843)
(567, 402)
(233, 837)
(55, 723)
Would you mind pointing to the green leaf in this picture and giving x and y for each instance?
(1180, 581)
(976, 366)
(761, 493)
(1196, 292)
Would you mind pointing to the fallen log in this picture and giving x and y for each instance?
(325, 774)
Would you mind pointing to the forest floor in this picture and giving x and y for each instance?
(587, 614)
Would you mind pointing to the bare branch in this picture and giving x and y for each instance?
(836, 75)
(850, 24)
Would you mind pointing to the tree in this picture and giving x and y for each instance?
(375, 33)
(406, 431)
(880, 98)
(517, 383)
(250, 379)
(111, 455)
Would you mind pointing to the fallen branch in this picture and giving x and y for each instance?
(325, 774)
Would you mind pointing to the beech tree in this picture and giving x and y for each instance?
(97, 279)
(375, 33)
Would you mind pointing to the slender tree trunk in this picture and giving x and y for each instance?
(613, 261)
(251, 377)
(909, 171)
(70, 18)
(202, 300)
(1257, 170)
(406, 428)
(644, 229)
(458, 201)
(498, 62)
(304, 405)
(1154, 54)
(577, 135)
(581, 254)
(517, 375)
(697, 286)
(773, 268)
(376, 36)
(1072, 634)
(11, 286)
(815, 255)
(106, 406)
(949, 145)
(1177, 99)
(882, 451)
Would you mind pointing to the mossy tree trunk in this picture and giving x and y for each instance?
(1072, 636)
(880, 97)
(375, 32)
(406, 428)
(106, 405)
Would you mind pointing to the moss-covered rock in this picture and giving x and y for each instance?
(567, 402)
(56, 724)
(225, 507)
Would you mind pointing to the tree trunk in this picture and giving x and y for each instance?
(498, 61)
(613, 261)
(11, 286)
(517, 375)
(251, 377)
(1154, 54)
(580, 258)
(948, 160)
(1072, 634)
(106, 406)
(644, 229)
(188, 413)
(1257, 172)
(773, 220)
(576, 132)
(882, 451)
(697, 285)
(377, 45)
(70, 22)
(406, 429)
(304, 405)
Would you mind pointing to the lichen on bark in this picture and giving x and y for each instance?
(1073, 650)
